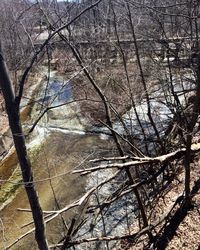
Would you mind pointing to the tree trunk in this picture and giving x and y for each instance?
(19, 142)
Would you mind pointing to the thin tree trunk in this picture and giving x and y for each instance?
(19, 141)
(195, 115)
(128, 81)
(110, 124)
(149, 113)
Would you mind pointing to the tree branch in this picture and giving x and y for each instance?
(140, 161)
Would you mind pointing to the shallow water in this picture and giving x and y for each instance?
(56, 158)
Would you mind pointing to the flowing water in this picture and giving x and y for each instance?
(58, 145)
(58, 155)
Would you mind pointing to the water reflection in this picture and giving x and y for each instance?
(57, 92)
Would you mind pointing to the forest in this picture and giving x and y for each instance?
(99, 124)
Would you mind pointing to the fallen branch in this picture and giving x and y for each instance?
(140, 160)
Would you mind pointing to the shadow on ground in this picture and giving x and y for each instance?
(168, 231)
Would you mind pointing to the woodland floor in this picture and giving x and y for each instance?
(181, 228)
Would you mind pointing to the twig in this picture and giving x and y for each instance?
(20, 238)
(55, 213)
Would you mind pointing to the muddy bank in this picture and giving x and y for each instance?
(56, 158)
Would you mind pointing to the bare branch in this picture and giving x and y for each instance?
(23, 80)
(140, 161)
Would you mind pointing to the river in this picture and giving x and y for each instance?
(56, 158)
(58, 145)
